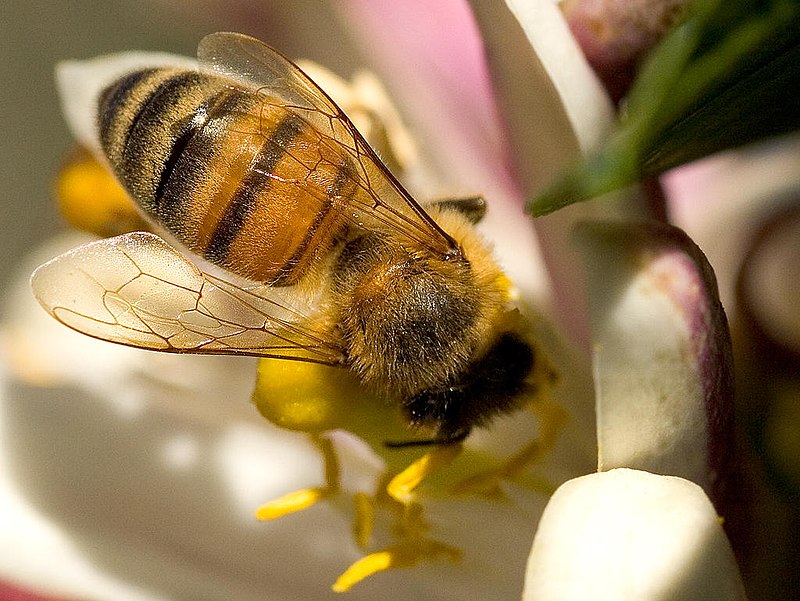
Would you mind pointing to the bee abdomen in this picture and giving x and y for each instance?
(233, 174)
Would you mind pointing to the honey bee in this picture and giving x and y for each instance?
(248, 164)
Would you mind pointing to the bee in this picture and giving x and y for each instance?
(249, 166)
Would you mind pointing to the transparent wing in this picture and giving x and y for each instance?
(254, 64)
(280, 82)
(137, 290)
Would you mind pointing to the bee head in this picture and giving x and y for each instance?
(495, 384)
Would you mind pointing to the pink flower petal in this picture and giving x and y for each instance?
(431, 57)
(554, 108)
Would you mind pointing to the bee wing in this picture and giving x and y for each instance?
(253, 63)
(137, 290)
(266, 71)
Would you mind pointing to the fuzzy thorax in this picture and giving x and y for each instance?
(411, 320)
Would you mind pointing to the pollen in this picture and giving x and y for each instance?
(301, 396)
(90, 198)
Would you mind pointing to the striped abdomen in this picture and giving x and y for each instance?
(239, 180)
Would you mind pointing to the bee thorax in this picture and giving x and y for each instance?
(409, 321)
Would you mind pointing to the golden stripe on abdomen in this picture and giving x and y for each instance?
(253, 185)
(286, 212)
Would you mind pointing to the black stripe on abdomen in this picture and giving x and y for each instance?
(153, 131)
(342, 186)
(253, 185)
(114, 100)
(165, 203)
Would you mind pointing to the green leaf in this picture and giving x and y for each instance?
(728, 75)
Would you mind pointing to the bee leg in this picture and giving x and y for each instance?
(299, 500)
(552, 418)
(472, 207)
(411, 524)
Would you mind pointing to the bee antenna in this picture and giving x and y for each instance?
(427, 442)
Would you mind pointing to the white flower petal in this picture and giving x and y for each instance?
(632, 535)
(662, 356)
(553, 105)
(583, 99)
(65, 569)
(553, 108)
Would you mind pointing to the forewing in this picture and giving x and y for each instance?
(254, 64)
(137, 290)
(381, 200)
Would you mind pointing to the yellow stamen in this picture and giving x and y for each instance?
(364, 521)
(403, 555)
(291, 503)
(403, 484)
(364, 567)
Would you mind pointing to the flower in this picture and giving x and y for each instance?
(633, 534)
(173, 472)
